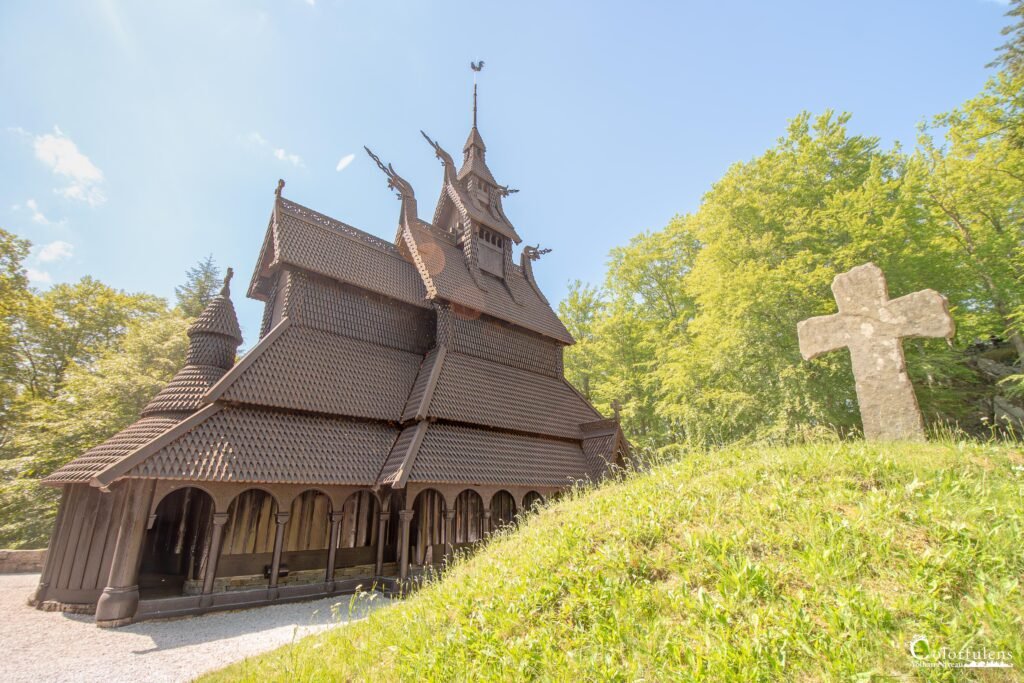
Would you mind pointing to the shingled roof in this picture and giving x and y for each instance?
(301, 368)
(184, 393)
(459, 454)
(475, 390)
(309, 240)
(214, 338)
(218, 318)
(447, 277)
(86, 466)
(322, 404)
(247, 444)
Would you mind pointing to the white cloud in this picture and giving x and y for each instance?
(293, 159)
(61, 154)
(344, 162)
(279, 153)
(58, 250)
(311, 3)
(38, 216)
(40, 277)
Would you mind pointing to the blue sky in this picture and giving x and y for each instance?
(137, 137)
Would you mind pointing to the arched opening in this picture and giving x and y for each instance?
(469, 517)
(360, 524)
(532, 501)
(309, 524)
(307, 536)
(427, 531)
(175, 549)
(248, 544)
(503, 509)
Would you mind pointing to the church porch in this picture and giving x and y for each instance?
(210, 546)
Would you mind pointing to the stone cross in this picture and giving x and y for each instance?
(872, 326)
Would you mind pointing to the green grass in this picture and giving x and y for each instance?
(807, 563)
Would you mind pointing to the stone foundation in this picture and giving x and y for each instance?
(224, 584)
(21, 561)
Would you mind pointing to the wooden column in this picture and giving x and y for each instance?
(332, 549)
(404, 519)
(120, 599)
(449, 533)
(487, 522)
(275, 565)
(212, 557)
(382, 521)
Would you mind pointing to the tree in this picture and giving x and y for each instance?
(73, 324)
(96, 400)
(14, 294)
(202, 283)
(578, 311)
(696, 328)
(1011, 53)
(975, 187)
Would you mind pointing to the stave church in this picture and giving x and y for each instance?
(404, 400)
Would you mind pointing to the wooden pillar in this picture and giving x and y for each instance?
(275, 565)
(382, 521)
(487, 522)
(332, 549)
(120, 599)
(213, 556)
(405, 520)
(449, 532)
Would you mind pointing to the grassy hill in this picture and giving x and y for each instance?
(808, 563)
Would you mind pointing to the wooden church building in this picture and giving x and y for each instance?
(404, 399)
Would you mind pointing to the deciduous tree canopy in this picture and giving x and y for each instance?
(694, 330)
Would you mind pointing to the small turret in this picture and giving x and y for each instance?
(213, 341)
(215, 336)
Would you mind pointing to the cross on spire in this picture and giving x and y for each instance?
(873, 326)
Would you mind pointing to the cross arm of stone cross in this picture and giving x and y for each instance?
(909, 316)
(872, 326)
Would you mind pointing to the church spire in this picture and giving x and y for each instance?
(477, 67)
(474, 151)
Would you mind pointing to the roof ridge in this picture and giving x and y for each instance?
(401, 476)
(435, 374)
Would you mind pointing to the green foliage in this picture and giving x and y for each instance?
(695, 327)
(95, 401)
(1011, 53)
(810, 563)
(74, 324)
(84, 360)
(202, 283)
(14, 294)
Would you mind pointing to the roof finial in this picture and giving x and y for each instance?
(280, 186)
(534, 253)
(477, 67)
(617, 408)
(225, 291)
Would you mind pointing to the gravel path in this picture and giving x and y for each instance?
(53, 646)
